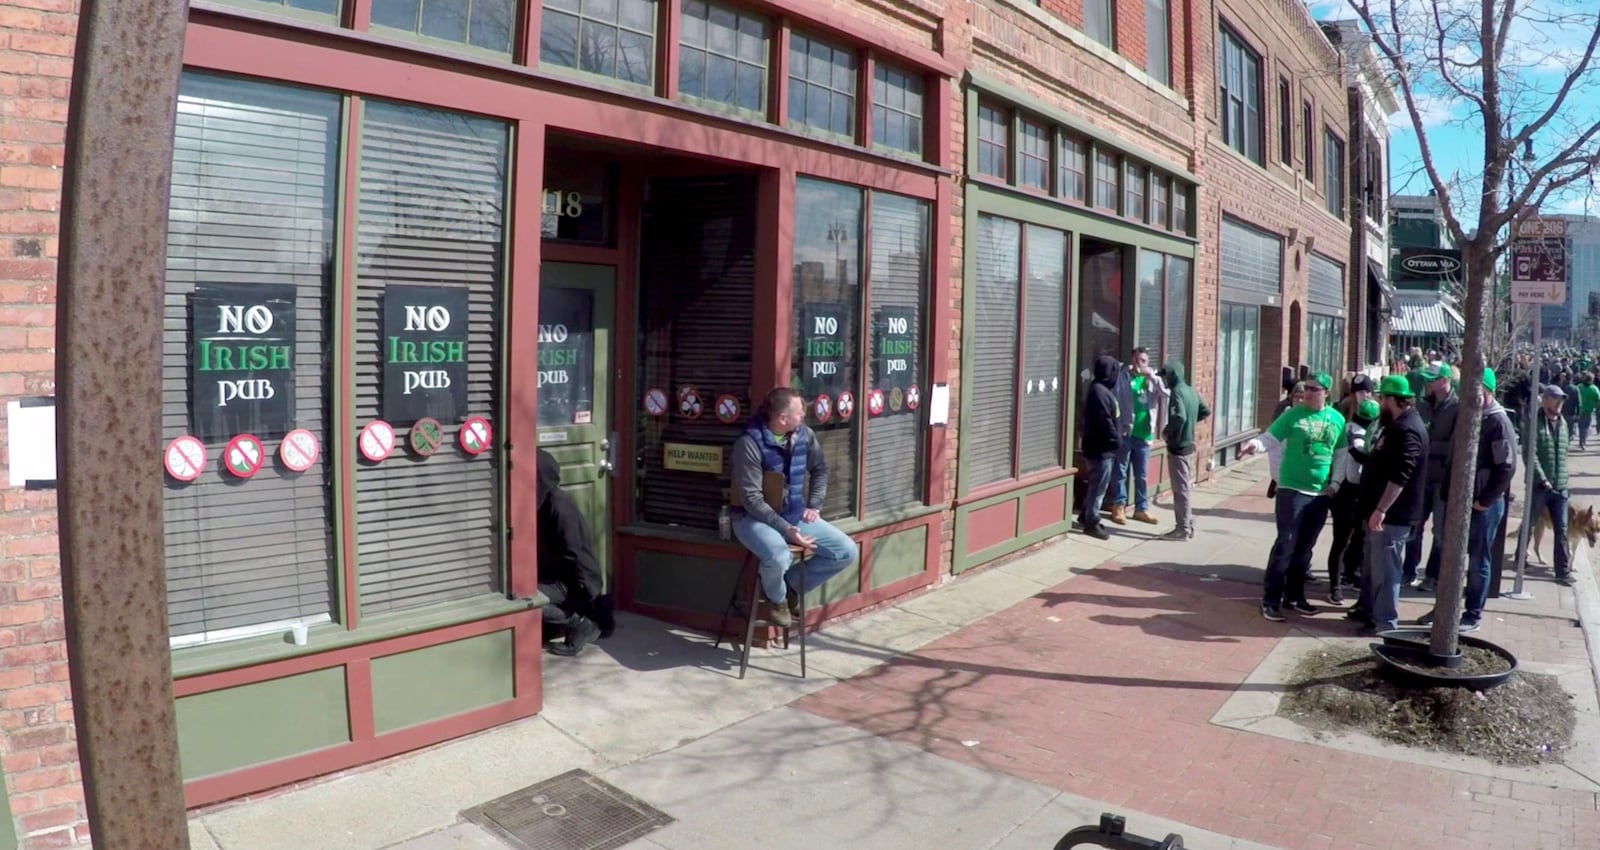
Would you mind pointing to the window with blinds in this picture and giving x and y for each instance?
(432, 212)
(1150, 321)
(1176, 346)
(988, 433)
(252, 204)
(1251, 262)
(1325, 285)
(1044, 333)
(897, 283)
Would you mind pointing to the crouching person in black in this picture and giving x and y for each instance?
(569, 575)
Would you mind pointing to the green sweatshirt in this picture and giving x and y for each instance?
(1588, 398)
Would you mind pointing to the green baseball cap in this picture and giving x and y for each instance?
(1431, 373)
(1367, 409)
(1395, 385)
(1490, 382)
(1321, 379)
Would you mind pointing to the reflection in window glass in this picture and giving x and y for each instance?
(723, 56)
(1180, 207)
(825, 342)
(486, 24)
(1105, 180)
(822, 86)
(898, 276)
(319, 7)
(1176, 346)
(1100, 313)
(1044, 326)
(611, 38)
(993, 132)
(988, 453)
(1033, 144)
(896, 109)
(1236, 369)
(1072, 156)
(1158, 201)
(1133, 202)
(1150, 319)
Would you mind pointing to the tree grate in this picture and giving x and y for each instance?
(573, 811)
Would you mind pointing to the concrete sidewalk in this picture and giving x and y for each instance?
(998, 710)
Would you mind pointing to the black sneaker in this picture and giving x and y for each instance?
(1468, 625)
(1177, 534)
(1425, 619)
(1300, 606)
(1368, 630)
(579, 635)
(1564, 578)
(1335, 597)
(1357, 613)
(1271, 612)
(1098, 533)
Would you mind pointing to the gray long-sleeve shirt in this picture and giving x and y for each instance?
(746, 471)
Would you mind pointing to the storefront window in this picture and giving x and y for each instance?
(897, 280)
(723, 57)
(994, 131)
(429, 242)
(1105, 180)
(1325, 343)
(486, 24)
(1176, 345)
(827, 309)
(1162, 324)
(249, 275)
(1100, 319)
(1034, 146)
(1018, 345)
(822, 86)
(611, 38)
(897, 109)
(1236, 369)
(1072, 156)
(1133, 199)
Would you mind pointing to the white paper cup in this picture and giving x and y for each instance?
(301, 633)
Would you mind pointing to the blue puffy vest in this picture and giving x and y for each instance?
(789, 460)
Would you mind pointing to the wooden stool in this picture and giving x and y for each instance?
(751, 568)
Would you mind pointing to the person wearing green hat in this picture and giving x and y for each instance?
(1438, 411)
(1392, 483)
(1344, 557)
(1299, 446)
(1588, 402)
(1550, 491)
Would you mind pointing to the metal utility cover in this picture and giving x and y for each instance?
(573, 811)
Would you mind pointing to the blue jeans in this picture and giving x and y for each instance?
(1480, 554)
(1380, 584)
(1282, 582)
(1554, 501)
(835, 550)
(1136, 453)
(1098, 471)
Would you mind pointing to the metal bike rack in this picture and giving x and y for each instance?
(1111, 833)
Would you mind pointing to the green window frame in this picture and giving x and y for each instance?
(615, 40)
(722, 57)
(479, 25)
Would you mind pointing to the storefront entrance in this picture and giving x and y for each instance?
(577, 307)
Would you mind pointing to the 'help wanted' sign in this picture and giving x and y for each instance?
(424, 353)
(241, 358)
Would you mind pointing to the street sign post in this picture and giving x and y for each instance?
(1538, 277)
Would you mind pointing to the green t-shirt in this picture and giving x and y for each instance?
(1141, 412)
(1309, 439)
(1588, 398)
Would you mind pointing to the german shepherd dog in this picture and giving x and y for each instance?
(1582, 524)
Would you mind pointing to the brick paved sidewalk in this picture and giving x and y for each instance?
(1104, 686)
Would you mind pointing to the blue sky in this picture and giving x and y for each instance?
(1543, 49)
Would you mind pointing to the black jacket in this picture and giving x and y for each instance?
(1102, 432)
(1399, 455)
(565, 557)
(1497, 456)
(1440, 419)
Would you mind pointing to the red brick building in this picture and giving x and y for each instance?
(730, 195)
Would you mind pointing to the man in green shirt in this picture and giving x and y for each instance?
(1588, 401)
(1148, 393)
(1300, 446)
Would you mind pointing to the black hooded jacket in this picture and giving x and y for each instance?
(1102, 434)
(564, 554)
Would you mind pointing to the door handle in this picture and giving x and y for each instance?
(608, 463)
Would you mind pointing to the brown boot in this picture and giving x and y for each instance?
(1119, 515)
(777, 613)
(1145, 517)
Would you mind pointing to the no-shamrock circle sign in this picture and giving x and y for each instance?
(376, 441)
(426, 436)
(299, 450)
(185, 458)
(244, 455)
(475, 435)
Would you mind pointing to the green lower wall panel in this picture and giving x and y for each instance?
(441, 681)
(684, 582)
(845, 584)
(225, 730)
(899, 556)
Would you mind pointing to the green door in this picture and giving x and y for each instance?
(576, 306)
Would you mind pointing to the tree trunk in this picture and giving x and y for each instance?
(1453, 565)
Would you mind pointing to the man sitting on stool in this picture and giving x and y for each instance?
(568, 572)
(777, 440)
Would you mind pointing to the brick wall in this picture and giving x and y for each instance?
(1275, 197)
(37, 749)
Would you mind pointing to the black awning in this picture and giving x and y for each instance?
(1379, 277)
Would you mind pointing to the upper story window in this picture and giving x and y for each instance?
(1240, 96)
(1180, 208)
(1158, 201)
(1072, 158)
(723, 57)
(1306, 149)
(1105, 180)
(1333, 170)
(822, 86)
(1034, 146)
(1099, 17)
(611, 38)
(993, 137)
(1285, 124)
(1157, 52)
(1133, 192)
(896, 109)
(484, 24)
